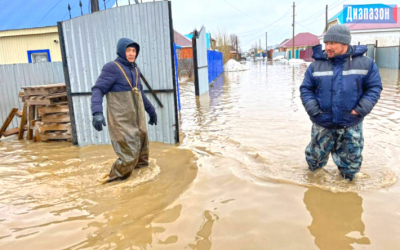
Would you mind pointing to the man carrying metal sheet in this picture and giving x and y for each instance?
(120, 82)
(339, 89)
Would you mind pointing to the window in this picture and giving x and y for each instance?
(37, 56)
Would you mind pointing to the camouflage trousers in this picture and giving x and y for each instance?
(345, 145)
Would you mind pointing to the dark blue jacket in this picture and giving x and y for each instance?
(332, 88)
(112, 79)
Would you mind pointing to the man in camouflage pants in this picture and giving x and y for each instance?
(339, 89)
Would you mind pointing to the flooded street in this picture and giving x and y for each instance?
(238, 180)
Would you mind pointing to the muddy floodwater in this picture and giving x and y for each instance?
(238, 179)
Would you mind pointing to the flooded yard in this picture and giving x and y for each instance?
(238, 180)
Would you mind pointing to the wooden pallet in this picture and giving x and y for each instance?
(41, 127)
(55, 99)
(8, 121)
(9, 132)
(44, 90)
(56, 118)
(53, 109)
(53, 136)
(24, 119)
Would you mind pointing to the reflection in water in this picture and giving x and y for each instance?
(337, 222)
(203, 238)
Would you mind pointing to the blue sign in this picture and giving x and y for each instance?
(370, 13)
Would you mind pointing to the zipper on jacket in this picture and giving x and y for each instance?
(318, 87)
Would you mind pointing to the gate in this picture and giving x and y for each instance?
(387, 57)
(199, 42)
(88, 42)
(371, 51)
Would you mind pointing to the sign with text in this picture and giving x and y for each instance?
(370, 13)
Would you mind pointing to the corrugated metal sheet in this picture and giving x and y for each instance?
(202, 63)
(215, 65)
(371, 50)
(387, 57)
(14, 50)
(22, 14)
(90, 42)
(14, 77)
(275, 54)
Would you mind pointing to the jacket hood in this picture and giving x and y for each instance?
(123, 43)
(356, 50)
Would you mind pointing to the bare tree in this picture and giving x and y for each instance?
(186, 67)
(224, 42)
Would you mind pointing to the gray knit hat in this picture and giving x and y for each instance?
(338, 33)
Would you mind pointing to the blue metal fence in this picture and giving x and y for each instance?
(215, 65)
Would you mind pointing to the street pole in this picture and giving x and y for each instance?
(293, 31)
(237, 52)
(326, 19)
(266, 45)
(95, 5)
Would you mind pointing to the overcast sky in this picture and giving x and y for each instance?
(250, 19)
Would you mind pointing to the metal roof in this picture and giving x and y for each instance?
(22, 14)
(182, 40)
(302, 39)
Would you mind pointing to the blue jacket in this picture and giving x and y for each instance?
(112, 79)
(332, 88)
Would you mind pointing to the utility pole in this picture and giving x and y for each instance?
(293, 31)
(237, 51)
(326, 19)
(266, 45)
(95, 5)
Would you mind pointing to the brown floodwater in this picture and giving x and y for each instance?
(238, 180)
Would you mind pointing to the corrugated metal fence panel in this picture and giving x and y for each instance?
(275, 54)
(308, 55)
(91, 42)
(215, 65)
(387, 57)
(202, 62)
(15, 76)
(371, 50)
(303, 54)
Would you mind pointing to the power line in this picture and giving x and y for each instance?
(242, 12)
(318, 13)
(48, 12)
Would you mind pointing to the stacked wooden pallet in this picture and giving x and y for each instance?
(47, 113)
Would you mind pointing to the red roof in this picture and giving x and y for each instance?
(302, 39)
(182, 40)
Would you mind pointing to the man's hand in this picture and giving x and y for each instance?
(98, 121)
(353, 112)
(153, 119)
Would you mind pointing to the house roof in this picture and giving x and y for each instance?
(302, 39)
(339, 15)
(22, 14)
(284, 41)
(182, 40)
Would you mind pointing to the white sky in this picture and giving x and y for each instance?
(250, 19)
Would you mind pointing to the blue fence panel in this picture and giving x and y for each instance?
(215, 65)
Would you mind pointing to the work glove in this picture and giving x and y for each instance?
(153, 119)
(98, 121)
